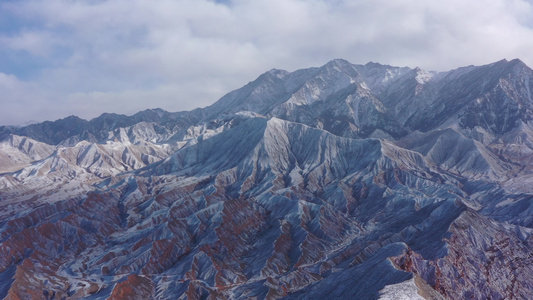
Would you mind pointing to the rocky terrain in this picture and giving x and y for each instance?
(344, 181)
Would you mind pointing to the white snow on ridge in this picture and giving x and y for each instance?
(405, 290)
(423, 76)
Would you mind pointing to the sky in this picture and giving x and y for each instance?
(86, 57)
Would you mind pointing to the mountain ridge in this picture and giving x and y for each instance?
(107, 122)
(344, 180)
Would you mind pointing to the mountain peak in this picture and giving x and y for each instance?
(290, 187)
(338, 62)
(277, 73)
(519, 64)
(517, 61)
(338, 65)
(423, 76)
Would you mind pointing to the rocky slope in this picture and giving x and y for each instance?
(345, 181)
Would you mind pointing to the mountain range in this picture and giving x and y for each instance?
(342, 181)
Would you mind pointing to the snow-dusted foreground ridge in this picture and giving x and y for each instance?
(344, 181)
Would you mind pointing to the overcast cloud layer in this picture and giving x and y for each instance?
(86, 57)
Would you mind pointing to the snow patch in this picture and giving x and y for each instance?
(423, 76)
(406, 290)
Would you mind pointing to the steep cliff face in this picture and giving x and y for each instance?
(485, 260)
(347, 181)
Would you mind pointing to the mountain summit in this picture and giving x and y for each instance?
(352, 181)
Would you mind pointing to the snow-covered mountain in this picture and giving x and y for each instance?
(347, 181)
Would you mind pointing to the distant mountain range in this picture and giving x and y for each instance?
(344, 181)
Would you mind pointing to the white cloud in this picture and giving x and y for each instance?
(124, 56)
(22, 102)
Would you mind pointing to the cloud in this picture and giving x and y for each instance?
(93, 56)
(22, 101)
